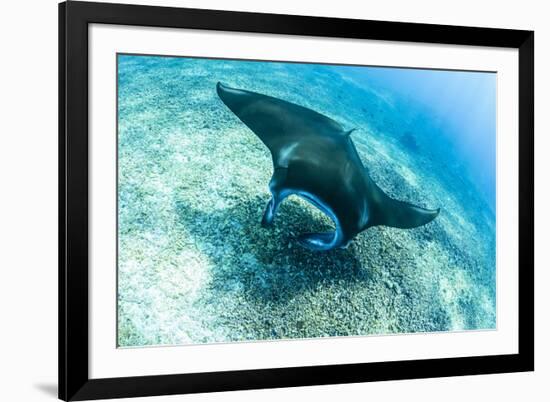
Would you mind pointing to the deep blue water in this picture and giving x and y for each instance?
(452, 112)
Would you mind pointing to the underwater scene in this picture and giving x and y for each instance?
(262, 200)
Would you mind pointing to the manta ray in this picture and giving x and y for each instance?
(315, 158)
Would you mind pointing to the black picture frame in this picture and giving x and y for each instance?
(74, 381)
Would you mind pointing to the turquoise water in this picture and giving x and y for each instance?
(196, 267)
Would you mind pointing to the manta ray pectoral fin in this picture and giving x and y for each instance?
(399, 214)
(318, 241)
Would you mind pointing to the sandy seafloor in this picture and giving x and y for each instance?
(194, 264)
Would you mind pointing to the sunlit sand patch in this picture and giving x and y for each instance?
(168, 283)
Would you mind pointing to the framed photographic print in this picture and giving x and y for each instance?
(256, 200)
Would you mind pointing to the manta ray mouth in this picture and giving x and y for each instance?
(319, 241)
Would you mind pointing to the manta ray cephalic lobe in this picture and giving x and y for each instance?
(315, 158)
